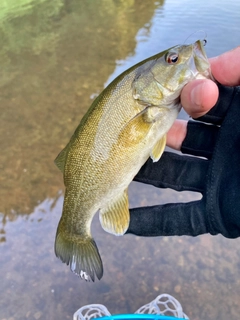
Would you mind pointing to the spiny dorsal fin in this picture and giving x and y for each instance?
(61, 159)
(158, 149)
(115, 217)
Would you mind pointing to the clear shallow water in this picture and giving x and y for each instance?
(55, 56)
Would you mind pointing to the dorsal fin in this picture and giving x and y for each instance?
(61, 159)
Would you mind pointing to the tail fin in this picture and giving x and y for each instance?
(81, 254)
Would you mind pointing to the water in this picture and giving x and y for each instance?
(55, 57)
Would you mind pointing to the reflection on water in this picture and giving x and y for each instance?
(55, 56)
(53, 59)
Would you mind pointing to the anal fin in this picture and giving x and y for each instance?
(115, 217)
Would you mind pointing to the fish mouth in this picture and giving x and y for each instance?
(201, 63)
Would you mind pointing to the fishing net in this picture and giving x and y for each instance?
(164, 304)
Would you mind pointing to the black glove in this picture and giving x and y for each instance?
(217, 177)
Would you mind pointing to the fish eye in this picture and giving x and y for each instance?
(171, 58)
(204, 42)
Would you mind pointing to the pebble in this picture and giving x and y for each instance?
(37, 315)
(181, 261)
(177, 288)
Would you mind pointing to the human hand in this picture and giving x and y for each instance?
(217, 178)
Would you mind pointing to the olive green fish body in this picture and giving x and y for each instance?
(125, 125)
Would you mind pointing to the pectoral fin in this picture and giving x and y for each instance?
(149, 114)
(115, 217)
(158, 149)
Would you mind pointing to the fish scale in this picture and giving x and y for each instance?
(125, 125)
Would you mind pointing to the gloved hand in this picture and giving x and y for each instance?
(216, 137)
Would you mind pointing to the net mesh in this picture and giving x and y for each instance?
(164, 304)
(91, 311)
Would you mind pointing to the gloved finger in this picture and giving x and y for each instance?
(218, 112)
(169, 220)
(175, 171)
(200, 139)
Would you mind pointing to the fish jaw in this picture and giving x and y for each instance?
(199, 63)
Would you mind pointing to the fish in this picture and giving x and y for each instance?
(125, 125)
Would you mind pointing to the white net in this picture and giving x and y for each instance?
(91, 311)
(164, 304)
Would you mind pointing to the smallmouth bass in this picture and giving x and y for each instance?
(125, 125)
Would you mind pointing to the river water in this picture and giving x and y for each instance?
(55, 58)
